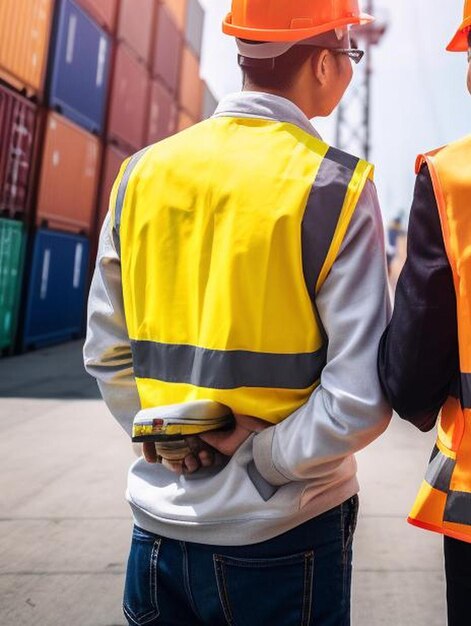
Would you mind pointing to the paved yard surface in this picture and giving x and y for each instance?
(65, 527)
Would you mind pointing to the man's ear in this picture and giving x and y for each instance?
(320, 66)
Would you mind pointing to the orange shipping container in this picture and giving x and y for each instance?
(24, 42)
(136, 23)
(129, 100)
(191, 86)
(184, 121)
(178, 8)
(114, 158)
(104, 12)
(162, 113)
(69, 177)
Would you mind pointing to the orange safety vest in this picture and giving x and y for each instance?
(444, 501)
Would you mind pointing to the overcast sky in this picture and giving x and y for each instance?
(419, 92)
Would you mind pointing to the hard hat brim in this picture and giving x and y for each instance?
(292, 34)
(459, 43)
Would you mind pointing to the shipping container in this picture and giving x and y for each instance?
(191, 85)
(136, 26)
(195, 26)
(69, 177)
(129, 100)
(178, 9)
(184, 121)
(163, 113)
(210, 102)
(167, 49)
(25, 27)
(18, 125)
(114, 158)
(79, 67)
(104, 12)
(12, 247)
(56, 290)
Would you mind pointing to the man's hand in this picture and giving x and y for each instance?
(228, 442)
(200, 455)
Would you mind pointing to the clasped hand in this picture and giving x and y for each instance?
(208, 449)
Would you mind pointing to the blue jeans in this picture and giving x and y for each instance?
(300, 578)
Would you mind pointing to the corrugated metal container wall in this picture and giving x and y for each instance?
(136, 23)
(105, 12)
(184, 121)
(178, 8)
(18, 121)
(191, 87)
(24, 42)
(167, 49)
(56, 293)
(114, 158)
(195, 26)
(129, 100)
(12, 246)
(80, 63)
(210, 102)
(69, 177)
(163, 113)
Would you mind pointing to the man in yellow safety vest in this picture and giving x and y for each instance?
(425, 354)
(242, 263)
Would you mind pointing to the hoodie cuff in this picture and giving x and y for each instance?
(263, 458)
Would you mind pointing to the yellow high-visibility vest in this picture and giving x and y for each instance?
(226, 232)
(444, 500)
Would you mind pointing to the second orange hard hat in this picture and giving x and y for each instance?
(459, 43)
(288, 20)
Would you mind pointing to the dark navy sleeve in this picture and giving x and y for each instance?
(418, 354)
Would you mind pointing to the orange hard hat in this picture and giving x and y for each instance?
(459, 43)
(289, 20)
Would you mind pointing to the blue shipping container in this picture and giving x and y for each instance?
(56, 291)
(79, 67)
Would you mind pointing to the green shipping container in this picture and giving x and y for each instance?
(12, 248)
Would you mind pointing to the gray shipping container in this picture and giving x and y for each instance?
(210, 102)
(195, 26)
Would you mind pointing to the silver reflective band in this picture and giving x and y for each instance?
(122, 194)
(323, 211)
(225, 369)
(458, 508)
(461, 390)
(439, 471)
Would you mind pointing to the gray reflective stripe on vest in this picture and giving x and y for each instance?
(466, 391)
(225, 369)
(122, 194)
(461, 390)
(439, 474)
(323, 211)
(439, 471)
(458, 508)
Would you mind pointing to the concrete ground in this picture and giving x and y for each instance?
(65, 527)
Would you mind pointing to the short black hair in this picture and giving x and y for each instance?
(469, 38)
(281, 73)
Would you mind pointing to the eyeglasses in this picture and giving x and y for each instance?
(354, 54)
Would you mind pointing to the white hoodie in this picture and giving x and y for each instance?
(300, 468)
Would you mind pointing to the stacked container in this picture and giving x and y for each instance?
(24, 36)
(89, 82)
(76, 96)
(191, 88)
(23, 63)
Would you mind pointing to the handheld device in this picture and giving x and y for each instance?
(172, 423)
